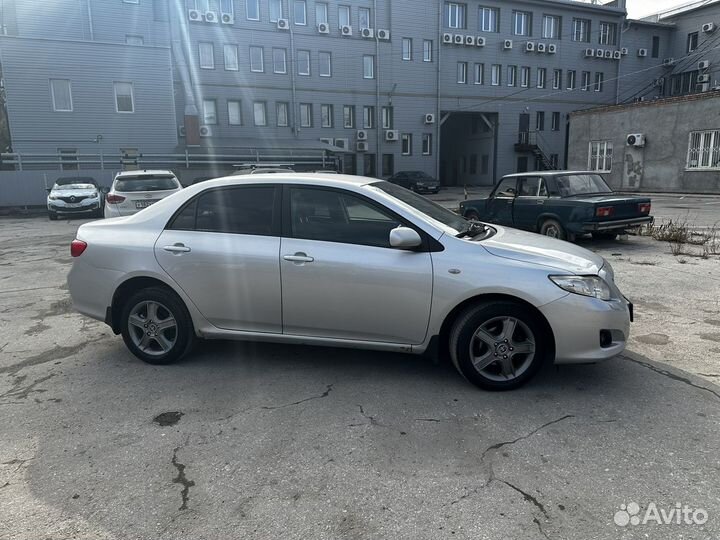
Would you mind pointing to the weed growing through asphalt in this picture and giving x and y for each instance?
(681, 235)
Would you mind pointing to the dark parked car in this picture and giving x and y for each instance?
(561, 204)
(417, 181)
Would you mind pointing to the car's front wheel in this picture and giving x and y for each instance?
(498, 345)
(156, 326)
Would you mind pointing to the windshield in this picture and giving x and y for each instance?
(66, 187)
(67, 182)
(424, 205)
(581, 184)
(154, 182)
(420, 175)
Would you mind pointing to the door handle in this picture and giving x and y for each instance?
(177, 248)
(299, 257)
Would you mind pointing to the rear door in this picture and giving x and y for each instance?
(500, 204)
(222, 249)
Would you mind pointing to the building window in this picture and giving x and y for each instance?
(692, 41)
(281, 113)
(252, 10)
(324, 64)
(300, 13)
(600, 156)
(209, 109)
(473, 163)
(259, 113)
(554, 158)
(61, 94)
(388, 164)
(586, 80)
(540, 121)
(349, 116)
(230, 56)
(279, 61)
(581, 30)
(234, 109)
(306, 115)
(321, 12)
(608, 33)
(387, 117)
(599, 81)
(427, 50)
(656, 47)
(326, 116)
(495, 74)
(226, 6)
(489, 19)
(551, 27)
(555, 123)
(303, 67)
(484, 164)
(479, 74)
(406, 48)
(541, 76)
(256, 59)
(68, 159)
(522, 23)
(512, 76)
(364, 18)
(704, 150)
(571, 79)
(124, 98)
(369, 165)
(368, 66)
(427, 144)
(344, 16)
(207, 55)
(406, 139)
(276, 11)
(557, 78)
(134, 40)
(462, 72)
(455, 15)
(525, 76)
(368, 116)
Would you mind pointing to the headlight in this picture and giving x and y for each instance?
(53, 197)
(584, 285)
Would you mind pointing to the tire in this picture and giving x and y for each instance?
(52, 216)
(501, 371)
(164, 346)
(472, 215)
(553, 229)
(604, 235)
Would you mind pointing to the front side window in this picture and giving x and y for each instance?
(276, 11)
(326, 116)
(608, 33)
(364, 18)
(551, 27)
(209, 111)
(455, 15)
(581, 30)
(259, 113)
(406, 144)
(344, 16)
(600, 156)
(256, 59)
(704, 150)
(234, 113)
(300, 12)
(279, 61)
(230, 55)
(61, 94)
(124, 97)
(368, 116)
(530, 186)
(427, 144)
(368, 66)
(479, 74)
(281, 113)
(321, 12)
(349, 116)
(462, 72)
(522, 23)
(306, 115)
(427, 50)
(236, 210)
(406, 49)
(489, 19)
(207, 55)
(303, 67)
(252, 10)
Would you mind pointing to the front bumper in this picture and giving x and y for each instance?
(430, 188)
(616, 224)
(60, 207)
(578, 323)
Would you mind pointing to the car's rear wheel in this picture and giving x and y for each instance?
(156, 326)
(604, 235)
(498, 345)
(553, 229)
(472, 215)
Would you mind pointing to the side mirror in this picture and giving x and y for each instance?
(404, 238)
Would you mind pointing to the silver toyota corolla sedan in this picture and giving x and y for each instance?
(345, 261)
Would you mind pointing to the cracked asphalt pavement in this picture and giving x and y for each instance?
(263, 441)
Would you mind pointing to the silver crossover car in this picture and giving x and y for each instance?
(345, 261)
(131, 191)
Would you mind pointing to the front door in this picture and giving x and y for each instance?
(530, 202)
(223, 250)
(500, 204)
(340, 277)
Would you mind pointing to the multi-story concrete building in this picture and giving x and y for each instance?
(467, 90)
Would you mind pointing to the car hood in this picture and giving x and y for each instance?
(76, 192)
(538, 249)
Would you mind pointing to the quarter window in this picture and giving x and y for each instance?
(600, 156)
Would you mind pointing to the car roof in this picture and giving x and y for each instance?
(326, 179)
(548, 173)
(142, 172)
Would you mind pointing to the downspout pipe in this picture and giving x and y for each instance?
(293, 86)
(438, 123)
(378, 111)
(179, 48)
(90, 20)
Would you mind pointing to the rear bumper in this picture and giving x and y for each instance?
(617, 224)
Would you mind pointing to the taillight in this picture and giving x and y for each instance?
(605, 211)
(114, 199)
(77, 247)
(644, 207)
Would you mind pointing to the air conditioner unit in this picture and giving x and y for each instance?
(392, 134)
(343, 143)
(447, 38)
(508, 44)
(206, 131)
(323, 28)
(589, 53)
(703, 65)
(346, 30)
(361, 146)
(181, 131)
(703, 78)
(624, 51)
(227, 18)
(367, 33)
(617, 55)
(529, 46)
(328, 140)
(708, 28)
(705, 87)
(636, 139)
(669, 62)
(541, 47)
(458, 39)
(211, 17)
(551, 48)
(600, 53)
(362, 135)
(470, 41)
(283, 24)
(642, 53)
(383, 34)
(194, 15)
(480, 41)
(429, 118)
(608, 53)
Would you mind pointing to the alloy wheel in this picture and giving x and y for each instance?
(502, 348)
(152, 328)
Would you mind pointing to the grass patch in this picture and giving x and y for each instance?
(680, 235)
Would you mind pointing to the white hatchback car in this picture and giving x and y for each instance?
(132, 191)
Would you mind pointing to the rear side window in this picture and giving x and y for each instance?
(129, 184)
